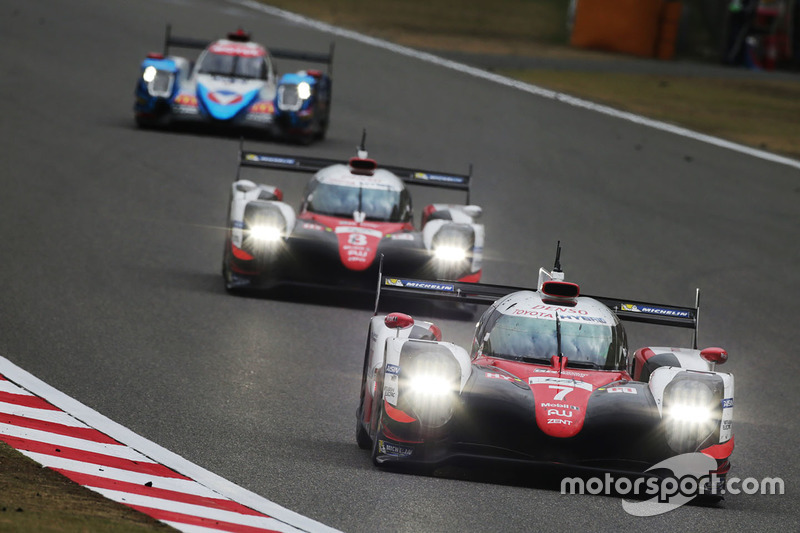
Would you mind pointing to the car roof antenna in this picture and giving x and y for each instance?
(362, 148)
(557, 273)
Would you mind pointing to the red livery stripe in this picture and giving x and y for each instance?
(89, 480)
(27, 401)
(60, 429)
(170, 516)
(90, 457)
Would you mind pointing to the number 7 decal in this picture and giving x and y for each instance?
(563, 391)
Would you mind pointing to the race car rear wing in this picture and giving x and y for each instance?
(191, 42)
(295, 163)
(482, 293)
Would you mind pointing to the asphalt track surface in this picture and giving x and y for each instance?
(112, 239)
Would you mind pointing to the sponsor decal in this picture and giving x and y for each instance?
(559, 412)
(238, 224)
(402, 236)
(495, 375)
(563, 372)
(624, 390)
(235, 49)
(393, 449)
(392, 369)
(438, 177)
(727, 403)
(424, 285)
(263, 107)
(537, 380)
(359, 230)
(270, 159)
(726, 425)
(311, 225)
(225, 97)
(560, 406)
(186, 99)
(559, 421)
(653, 310)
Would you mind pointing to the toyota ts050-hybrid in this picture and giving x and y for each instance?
(353, 215)
(548, 380)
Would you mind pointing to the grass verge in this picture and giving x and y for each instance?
(33, 498)
(761, 113)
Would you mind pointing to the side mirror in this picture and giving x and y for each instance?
(398, 321)
(714, 355)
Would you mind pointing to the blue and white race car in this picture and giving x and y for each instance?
(234, 82)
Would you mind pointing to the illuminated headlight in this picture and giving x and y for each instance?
(430, 386)
(265, 233)
(450, 254)
(690, 414)
(159, 82)
(304, 90)
(692, 411)
(149, 73)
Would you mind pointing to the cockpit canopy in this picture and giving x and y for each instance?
(235, 60)
(340, 194)
(522, 327)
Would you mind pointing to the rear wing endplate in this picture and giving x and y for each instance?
(295, 163)
(481, 293)
(191, 42)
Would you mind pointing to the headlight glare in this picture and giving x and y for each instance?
(430, 385)
(304, 90)
(149, 73)
(691, 414)
(265, 233)
(450, 253)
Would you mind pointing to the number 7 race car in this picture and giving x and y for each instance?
(234, 83)
(548, 380)
(353, 215)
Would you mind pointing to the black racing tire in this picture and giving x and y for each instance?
(362, 437)
(378, 430)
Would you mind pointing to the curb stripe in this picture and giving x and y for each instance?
(96, 459)
(60, 433)
(69, 467)
(71, 443)
(26, 400)
(98, 482)
(85, 433)
(216, 525)
(44, 415)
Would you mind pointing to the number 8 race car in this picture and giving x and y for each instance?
(354, 215)
(234, 83)
(548, 380)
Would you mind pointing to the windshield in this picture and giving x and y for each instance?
(234, 66)
(385, 205)
(534, 339)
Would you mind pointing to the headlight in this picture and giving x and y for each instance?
(430, 385)
(690, 414)
(159, 82)
(265, 233)
(692, 411)
(149, 74)
(304, 90)
(450, 253)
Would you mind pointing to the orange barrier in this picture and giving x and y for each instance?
(646, 28)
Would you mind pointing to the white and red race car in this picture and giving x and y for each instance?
(353, 215)
(548, 380)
